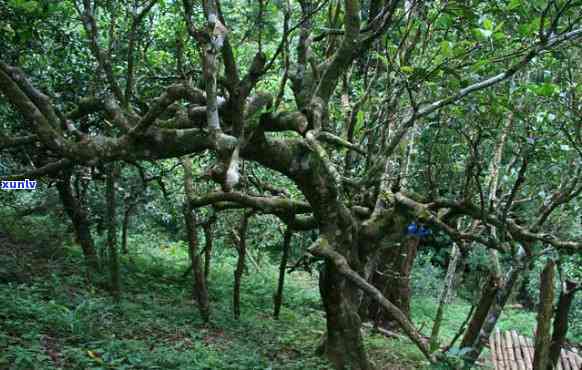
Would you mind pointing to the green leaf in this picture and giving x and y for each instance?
(28, 6)
(546, 89)
(360, 116)
(446, 48)
(514, 4)
(406, 69)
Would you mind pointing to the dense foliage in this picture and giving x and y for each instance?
(317, 135)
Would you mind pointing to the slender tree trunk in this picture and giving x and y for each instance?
(126, 218)
(199, 287)
(445, 294)
(501, 296)
(545, 311)
(112, 233)
(207, 248)
(567, 295)
(78, 216)
(486, 300)
(241, 248)
(405, 271)
(278, 299)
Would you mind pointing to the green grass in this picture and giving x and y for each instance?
(424, 310)
(59, 320)
(55, 318)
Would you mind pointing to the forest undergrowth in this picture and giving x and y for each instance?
(53, 317)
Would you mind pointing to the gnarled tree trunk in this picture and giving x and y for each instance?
(343, 344)
(486, 300)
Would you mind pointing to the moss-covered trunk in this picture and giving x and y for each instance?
(486, 300)
(343, 344)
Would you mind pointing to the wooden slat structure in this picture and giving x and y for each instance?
(511, 351)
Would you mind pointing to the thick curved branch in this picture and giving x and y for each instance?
(273, 205)
(11, 142)
(284, 121)
(40, 100)
(25, 104)
(339, 142)
(423, 213)
(257, 102)
(48, 169)
(172, 94)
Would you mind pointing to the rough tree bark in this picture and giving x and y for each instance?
(301, 157)
(341, 266)
(343, 344)
(392, 277)
(199, 286)
(501, 296)
(545, 311)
